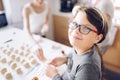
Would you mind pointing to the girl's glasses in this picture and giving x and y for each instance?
(82, 28)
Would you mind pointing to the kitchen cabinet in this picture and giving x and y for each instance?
(1, 6)
(60, 24)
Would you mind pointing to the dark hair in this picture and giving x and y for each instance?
(96, 18)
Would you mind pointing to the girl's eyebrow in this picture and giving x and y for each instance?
(85, 24)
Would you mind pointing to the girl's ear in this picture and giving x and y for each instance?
(98, 38)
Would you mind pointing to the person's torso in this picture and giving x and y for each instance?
(37, 19)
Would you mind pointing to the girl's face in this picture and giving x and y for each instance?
(83, 37)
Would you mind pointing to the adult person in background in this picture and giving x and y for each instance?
(107, 7)
(82, 2)
(88, 28)
(35, 18)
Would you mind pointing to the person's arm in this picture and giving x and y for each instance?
(38, 51)
(47, 17)
(26, 22)
(51, 70)
(45, 26)
(87, 72)
(52, 73)
(26, 13)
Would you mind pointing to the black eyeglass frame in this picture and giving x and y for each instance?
(74, 25)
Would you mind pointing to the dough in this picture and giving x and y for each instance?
(18, 70)
(10, 62)
(8, 76)
(13, 66)
(22, 53)
(11, 49)
(18, 59)
(3, 60)
(33, 61)
(13, 57)
(27, 65)
(35, 78)
(4, 70)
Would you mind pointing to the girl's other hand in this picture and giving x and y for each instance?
(51, 71)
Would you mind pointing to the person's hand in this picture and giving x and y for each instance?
(51, 71)
(40, 55)
(58, 61)
(44, 29)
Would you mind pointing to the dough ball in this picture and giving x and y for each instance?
(8, 76)
(19, 70)
(4, 70)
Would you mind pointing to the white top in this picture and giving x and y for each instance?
(106, 6)
(37, 19)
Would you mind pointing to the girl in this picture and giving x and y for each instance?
(88, 28)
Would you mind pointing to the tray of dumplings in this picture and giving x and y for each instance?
(16, 61)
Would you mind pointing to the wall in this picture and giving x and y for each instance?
(13, 9)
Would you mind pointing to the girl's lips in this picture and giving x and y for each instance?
(75, 37)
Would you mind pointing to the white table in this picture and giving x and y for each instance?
(16, 41)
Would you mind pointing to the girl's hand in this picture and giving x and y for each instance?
(44, 29)
(51, 71)
(58, 61)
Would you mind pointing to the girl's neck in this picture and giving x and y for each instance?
(37, 7)
(36, 4)
(80, 51)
